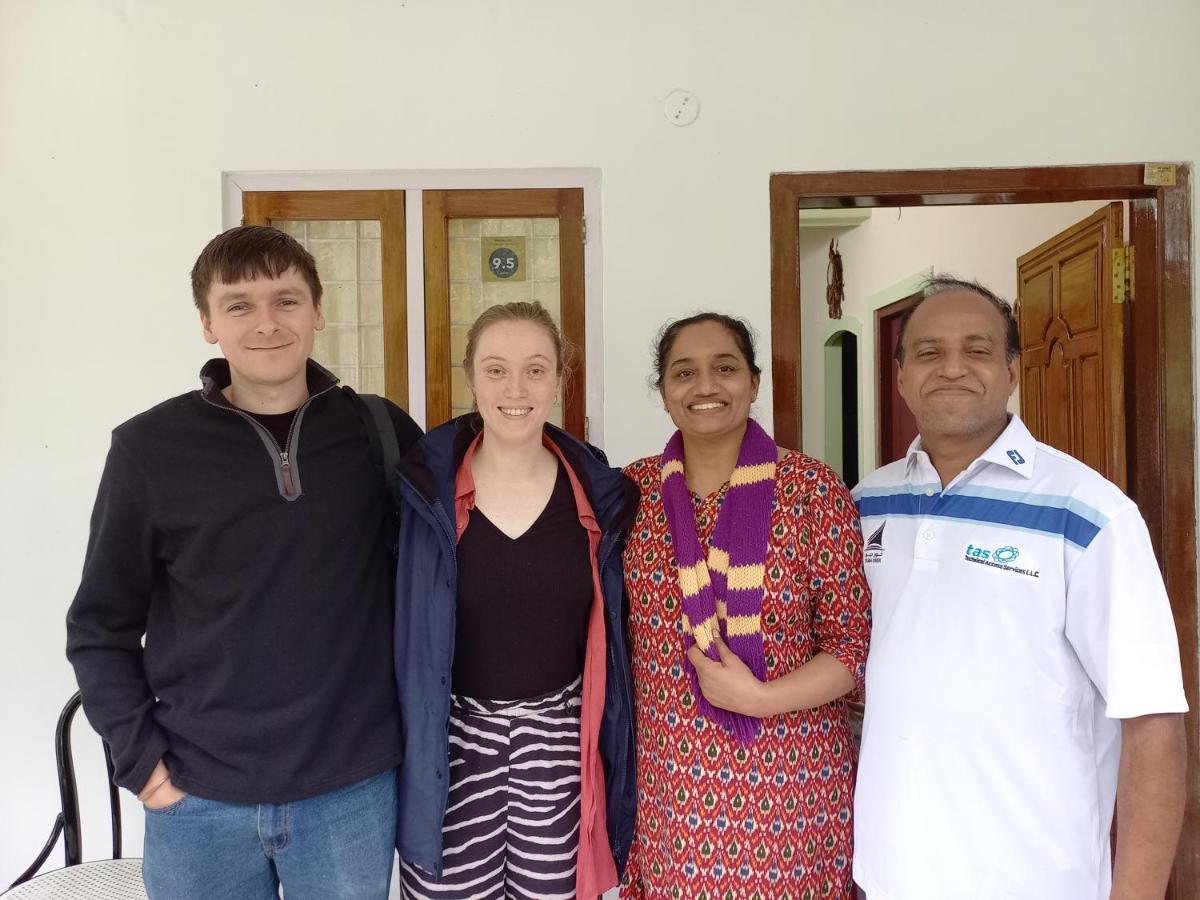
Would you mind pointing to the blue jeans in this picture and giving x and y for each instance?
(336, 846)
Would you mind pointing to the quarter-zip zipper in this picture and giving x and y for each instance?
(285, 464)
(287, 473)
(284, 452)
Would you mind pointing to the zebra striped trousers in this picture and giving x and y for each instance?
(512, 819)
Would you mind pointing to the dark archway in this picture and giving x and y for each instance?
(842, 449)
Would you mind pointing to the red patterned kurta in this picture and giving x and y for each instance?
(772, 820)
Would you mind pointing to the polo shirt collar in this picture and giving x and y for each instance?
(1013, 450)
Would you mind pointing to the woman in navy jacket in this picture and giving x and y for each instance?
(437, 493)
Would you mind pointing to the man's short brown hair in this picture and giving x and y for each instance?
(249, 252)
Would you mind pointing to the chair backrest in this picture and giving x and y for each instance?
(67, 821)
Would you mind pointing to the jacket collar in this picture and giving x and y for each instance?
(215, 377)
(432, 465)
(464, 489)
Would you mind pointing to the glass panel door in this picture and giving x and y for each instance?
(488, 247)
(349, 262)
(498, 261)
(357, 239)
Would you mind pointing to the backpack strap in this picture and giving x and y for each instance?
(385, 452)
(381, 432)
(384, 431)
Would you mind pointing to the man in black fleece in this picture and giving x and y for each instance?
(242, 529)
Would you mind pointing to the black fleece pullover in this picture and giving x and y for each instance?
(261, 580)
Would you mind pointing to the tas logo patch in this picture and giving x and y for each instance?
(1000, 558)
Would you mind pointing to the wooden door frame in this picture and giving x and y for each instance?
(884, 360)
(565, 204)
(387, 207)
(1160, 416)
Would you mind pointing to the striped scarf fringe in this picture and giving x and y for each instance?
(725, 590)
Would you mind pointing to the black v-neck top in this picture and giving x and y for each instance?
(523, 603)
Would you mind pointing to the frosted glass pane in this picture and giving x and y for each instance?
(348, 255)
(496, 261)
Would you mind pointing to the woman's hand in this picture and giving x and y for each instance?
(729, 683)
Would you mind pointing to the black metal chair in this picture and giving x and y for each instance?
(66, 823)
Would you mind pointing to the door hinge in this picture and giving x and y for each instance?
(587, 427)
(1122, 274)
(583, 219)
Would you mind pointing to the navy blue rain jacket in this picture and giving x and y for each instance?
(426, 599)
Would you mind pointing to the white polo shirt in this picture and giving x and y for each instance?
(1019, 614)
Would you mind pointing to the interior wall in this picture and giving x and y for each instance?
(973, 242)
(117, 118)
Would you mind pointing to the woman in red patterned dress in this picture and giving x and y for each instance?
(748, 623)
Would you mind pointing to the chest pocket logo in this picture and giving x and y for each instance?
(999, 558)
(873, 551)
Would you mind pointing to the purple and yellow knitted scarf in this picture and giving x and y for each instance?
(725, 590)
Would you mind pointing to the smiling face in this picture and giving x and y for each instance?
(514, 376)
(265, 328)
(707, 385)
(955, 376)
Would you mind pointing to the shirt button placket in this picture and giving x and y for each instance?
(925, 544)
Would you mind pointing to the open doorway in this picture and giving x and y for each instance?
(841, 405)
(897, 428)
(1156, 354)
(1052, 259)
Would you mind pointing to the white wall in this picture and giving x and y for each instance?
(118, 116)
(973, 242)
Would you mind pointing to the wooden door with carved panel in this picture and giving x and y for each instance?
(1072, 322)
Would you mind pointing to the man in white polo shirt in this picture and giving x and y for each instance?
(1024, 668)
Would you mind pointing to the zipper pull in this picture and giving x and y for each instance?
(287, 473)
